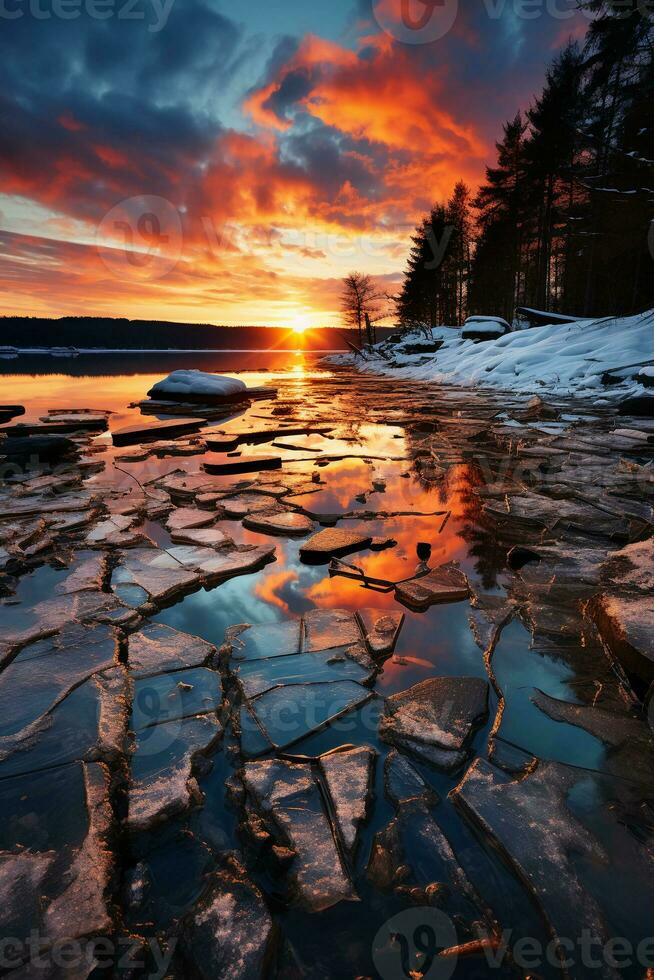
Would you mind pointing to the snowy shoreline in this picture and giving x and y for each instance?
(571, 359)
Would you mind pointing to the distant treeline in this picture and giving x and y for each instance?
(119, 333)
(564, 220)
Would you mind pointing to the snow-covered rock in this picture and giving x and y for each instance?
(484, 328)
(192, 384)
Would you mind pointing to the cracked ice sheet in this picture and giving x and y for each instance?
(43, 674)
(90, 723)
(301, 668)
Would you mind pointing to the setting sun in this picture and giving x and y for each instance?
(300, 323)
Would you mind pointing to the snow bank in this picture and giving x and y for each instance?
(194, 383)
(561, 358)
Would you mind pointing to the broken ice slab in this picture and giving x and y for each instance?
(287, 522)
(205, 537)
(348, 774)
(258, 676)
(287, 797)
(217, 463)
(488, 616)
(435, 719)
(41, 675)
(213, 564)
(326, 628)
(412, 855)
(230, 932)
(624, 611)
(46, 505)
(114, 532)
(165, 758)
(188, 518)
(242, 504)
(58, 886)
(157, 649)
(152, 431)
(160, 579)
(186, 486)
(164, 575)
(267, 640)
(447, 583)
(381, 629)
(332, 542)
(82, 908)
(402, 782)
(626, 624)
(86, 574)
(288, 714)
(160, 698)
(551, 852)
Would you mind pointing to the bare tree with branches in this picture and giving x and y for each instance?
(361, 303)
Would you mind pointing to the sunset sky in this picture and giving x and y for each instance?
(231, 163)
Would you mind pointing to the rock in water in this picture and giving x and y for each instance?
(447, 583)
(436, 719)
(199, 386)
(348, 775)
(230, 932)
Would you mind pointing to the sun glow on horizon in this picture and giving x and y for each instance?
(300, 323)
